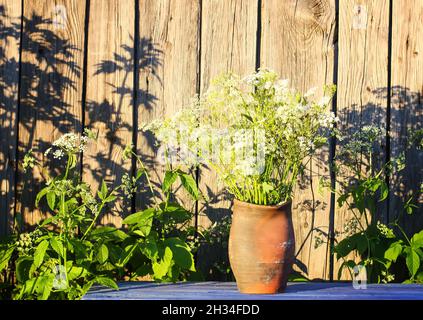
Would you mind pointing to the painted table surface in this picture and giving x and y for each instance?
(228, 291)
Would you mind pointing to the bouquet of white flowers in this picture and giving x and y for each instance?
(255, 132)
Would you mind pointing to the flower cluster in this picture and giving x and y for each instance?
(129, 185)
(28, 161)
(385, 230)
(69, 143)
(253, 131)
(26, 241)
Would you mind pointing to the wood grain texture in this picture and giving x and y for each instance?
(135, 290)
(406, 108)
(228, 44)
(362, 85)
(297, 43)
(51, 87)
(168, 74)
(10, 25)
(109, 100)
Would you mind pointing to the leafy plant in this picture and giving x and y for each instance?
(56, 260)
(68, 252)
(254, 132)
(385, 252)
(159, 240)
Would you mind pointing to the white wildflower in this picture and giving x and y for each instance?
(58, 154)
(324, 101)
(310, 92)
(267, 85)
(67, 142)
(251, 80)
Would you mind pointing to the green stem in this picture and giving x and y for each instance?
(150, 185)
(402, 232)
(94, 220)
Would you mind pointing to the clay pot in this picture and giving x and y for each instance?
(261, 247)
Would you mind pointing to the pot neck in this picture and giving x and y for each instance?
(260, 206)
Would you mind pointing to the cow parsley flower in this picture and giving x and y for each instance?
(58, 154)
(295, 125)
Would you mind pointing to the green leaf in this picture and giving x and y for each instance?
(140, 217)
(40, 252)
(102, 254)
(417, 240)
(393, 251)
(5, 256)
(361, 243)
(51, 199)
(44, 286)
(127, 254)
(181, 253)
(109, 232)
(384, 191)
(87, 286)
(412, 260)
(76, 272)
(115, 252)
(80, 247)
(174, 212)
(190, 185)
(72, 161)
(47, 221)
(102, 194)
(110, 198)
(168, 180)
(57, 246)
(41, 194)
(149, 248)
(344, 247)
(23, 265)
(161, 268)
(106, 282)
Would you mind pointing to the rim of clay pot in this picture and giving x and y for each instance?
(261, 206)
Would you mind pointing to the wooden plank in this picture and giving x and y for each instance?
(109, 106)
(297, 42)
(228, 291)
(362, 84)
(10, 28)
(228, 43)
(406, 107)
(168, 72)
(51, 86)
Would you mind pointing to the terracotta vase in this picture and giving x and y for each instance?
(261, 247)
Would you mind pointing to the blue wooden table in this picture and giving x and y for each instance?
(228, 291)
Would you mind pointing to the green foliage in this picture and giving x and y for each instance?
(158, 236)
(69, 252)
(386, 252)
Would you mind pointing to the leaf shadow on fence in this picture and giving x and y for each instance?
(51, 71)
(405, 118)
(107, 114)
(9, 81)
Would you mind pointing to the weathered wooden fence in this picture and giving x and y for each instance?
(112, 65)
